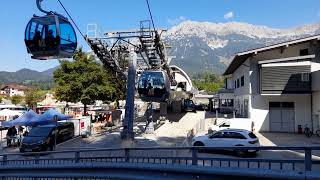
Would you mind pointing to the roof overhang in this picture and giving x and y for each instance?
(302, 63)
(241, 57)
(296, 58)
(236, 62)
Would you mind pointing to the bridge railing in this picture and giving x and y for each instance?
(184, 156)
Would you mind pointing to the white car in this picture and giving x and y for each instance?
(228, 138)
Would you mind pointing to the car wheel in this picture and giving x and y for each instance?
(51, 148)
(252, 154)
(21, 150)
(239, 152)
(198, 143)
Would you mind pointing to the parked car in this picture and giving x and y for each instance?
(229, 138)
(188, 105)
(238, 123)
(42, 138)
(200, 107)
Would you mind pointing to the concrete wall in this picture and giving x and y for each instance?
(230, 83)
(260, 109)
(242, 93)
(315, 81)
(291, 51)
(316, 110)
(242, 71)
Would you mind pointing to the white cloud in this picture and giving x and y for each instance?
(229, 15)
(176, 20)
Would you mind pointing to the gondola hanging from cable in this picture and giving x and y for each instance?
(154, 86)
(50, 37)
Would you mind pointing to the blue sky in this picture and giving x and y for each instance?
(126, 14)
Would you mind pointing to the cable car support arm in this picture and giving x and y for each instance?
(40, 8)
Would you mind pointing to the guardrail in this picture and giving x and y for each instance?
(178, 156)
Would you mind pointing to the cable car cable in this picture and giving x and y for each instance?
(71, 19)
(149, 9)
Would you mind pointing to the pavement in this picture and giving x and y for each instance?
(173, 133)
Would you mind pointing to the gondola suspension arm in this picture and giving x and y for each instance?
(40, 8)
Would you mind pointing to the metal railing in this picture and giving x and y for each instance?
(177, 156)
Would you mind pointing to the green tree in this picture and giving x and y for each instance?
(1, 98)
(208, 81)
(86, 81)
(16, 99)
(32, 96)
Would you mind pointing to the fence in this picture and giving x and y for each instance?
(183, 156)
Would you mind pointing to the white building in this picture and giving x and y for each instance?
(13, 89)
(277, 86)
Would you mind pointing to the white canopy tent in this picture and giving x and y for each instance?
(7, 114)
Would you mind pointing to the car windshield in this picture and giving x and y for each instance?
(252, 135)
(40, 131)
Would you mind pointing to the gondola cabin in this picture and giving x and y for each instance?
(154, 86)
(50, 37)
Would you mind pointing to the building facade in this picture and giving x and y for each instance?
(277, 86)
(13, 89)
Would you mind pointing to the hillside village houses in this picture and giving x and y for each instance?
(278, 86)
(13, 89)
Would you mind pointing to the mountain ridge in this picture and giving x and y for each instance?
(26, 76)
(199, 46)
(212, 45)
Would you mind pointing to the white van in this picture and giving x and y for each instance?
(236, 123)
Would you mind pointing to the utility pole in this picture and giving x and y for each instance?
(127, 132)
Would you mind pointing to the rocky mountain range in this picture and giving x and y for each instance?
(200, 46)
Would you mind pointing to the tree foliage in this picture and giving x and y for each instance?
(16, 99)
(32, 96)
(84, 80)
(1, 98)
(208, 81)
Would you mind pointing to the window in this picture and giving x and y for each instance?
(235, 135)
(252, 135)
(230, 102)
(242, 81)
(287, 104)
(235, 84)
(238, 83)
(274, 104)
(281, 104)
(304, 52)
(305, 77)
(224, 103)
(217, 135)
